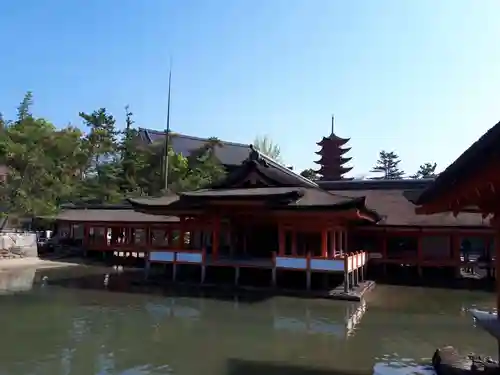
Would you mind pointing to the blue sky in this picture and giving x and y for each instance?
(416, 77)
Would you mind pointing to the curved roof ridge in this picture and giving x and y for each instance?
(162, 132)
(282, 167)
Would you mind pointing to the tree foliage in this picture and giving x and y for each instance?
(266, 145)
(49, 166)
(310, 174)
(427, 170)
(387, 165)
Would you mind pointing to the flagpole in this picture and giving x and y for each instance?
(167, 135)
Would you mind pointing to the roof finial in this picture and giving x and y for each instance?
(333, 122)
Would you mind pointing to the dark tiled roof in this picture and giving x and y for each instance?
(402, 184)
(153, 201)
(290, 196)
(478, 155)
(274, 173)
(273, 192)
(396, 209)
(229, 153)
(276, 197)
(260, 177)
(111, 215)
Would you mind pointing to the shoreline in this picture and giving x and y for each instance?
(19, 263)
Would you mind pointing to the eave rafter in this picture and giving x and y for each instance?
(478, 194)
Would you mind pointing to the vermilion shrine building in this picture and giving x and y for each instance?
(266, 216)
(472, 184)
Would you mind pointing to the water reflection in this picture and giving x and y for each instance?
(76, 324)
(301, 319)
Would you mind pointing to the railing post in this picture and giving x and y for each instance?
(356, 267)
(308, 271)
(273, 271)
(363, 264)
(346, 272)
(203, 264)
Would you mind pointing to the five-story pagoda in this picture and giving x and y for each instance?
(332, 162)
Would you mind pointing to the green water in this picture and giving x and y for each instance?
(69, 322)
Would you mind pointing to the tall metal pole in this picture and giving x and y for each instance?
(167, 135)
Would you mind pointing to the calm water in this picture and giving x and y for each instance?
(67, 322)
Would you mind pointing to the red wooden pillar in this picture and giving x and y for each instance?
(170, 239)
(384, 245)
(419, 253)
(333, 238)
(182, 232)
(86, 234)
(384, 253)
(455, 253)
(281, 239)
(294, 242)
(215, 240)
(346, 245)
(324, 243)
(148, 236)
(497, 274)
(487, 243)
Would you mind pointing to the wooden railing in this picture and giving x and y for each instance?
(178, 256)
(346, 262)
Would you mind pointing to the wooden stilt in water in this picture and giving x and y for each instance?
(273, 277)
(174, 271)
(147, 266)
(308, 272)
(237, 276)
(203, 273)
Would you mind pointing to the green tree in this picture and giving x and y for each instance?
(43, 163)
(427, 170)
(387, 164)
(310, 174)
(202, 168)
(50, 166)
(134, 158)
(265, 145)
(101, 177)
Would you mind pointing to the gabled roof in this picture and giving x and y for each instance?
(399, 184)
(396, 209)
(271, 172)
(108, 213)
(393, 201)
(478, 155)
(229, 153)
(263, 179)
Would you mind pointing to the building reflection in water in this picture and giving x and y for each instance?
(300, 320)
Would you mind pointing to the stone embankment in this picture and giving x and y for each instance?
(18, 245)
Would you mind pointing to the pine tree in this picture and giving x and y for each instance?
(387, 164)
(427, 170)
